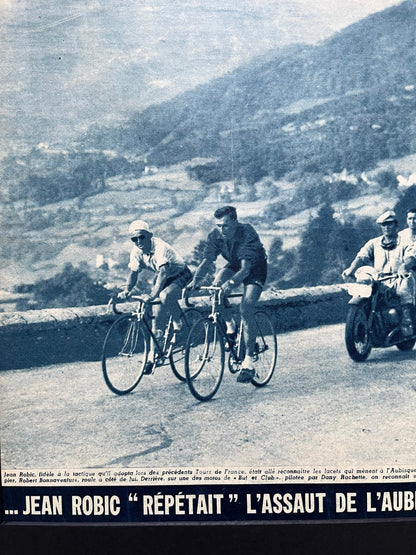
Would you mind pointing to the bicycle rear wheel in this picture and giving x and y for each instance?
(124, 354)
(177, 356)
(265, 354)
(204, 359)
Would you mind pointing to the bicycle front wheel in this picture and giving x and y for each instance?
(177, 355)
(265, 354)
(124, 354)
(204, 359)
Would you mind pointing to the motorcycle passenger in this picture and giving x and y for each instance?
(240, 245)
(172, 274)
(389, 253)
(408, 235)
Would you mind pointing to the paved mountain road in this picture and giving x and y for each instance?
(320, 408)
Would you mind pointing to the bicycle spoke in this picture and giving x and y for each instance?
(265, 354)
(124, 355)
(204, 359)
(177, 354)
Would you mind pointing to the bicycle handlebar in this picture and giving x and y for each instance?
(215, 288)
(220, 295)
(112, 303)
(185, 297)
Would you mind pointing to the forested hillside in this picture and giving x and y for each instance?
(346, 103)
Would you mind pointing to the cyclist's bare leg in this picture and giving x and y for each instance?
(251, 295)
(224, 275)
(168, 305)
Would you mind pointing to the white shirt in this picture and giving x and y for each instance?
(384, 260)
(409, 240)
(407, 237)
(161, 253)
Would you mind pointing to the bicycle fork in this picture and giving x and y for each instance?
(207, 354)
(130, 340)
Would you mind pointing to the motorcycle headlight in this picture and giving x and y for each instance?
(359, 290)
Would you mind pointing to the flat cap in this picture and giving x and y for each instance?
(388, 216)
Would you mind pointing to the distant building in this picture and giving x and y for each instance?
(407, 181)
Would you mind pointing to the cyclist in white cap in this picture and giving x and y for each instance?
(172, 274)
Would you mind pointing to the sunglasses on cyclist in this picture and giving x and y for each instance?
(135, 239)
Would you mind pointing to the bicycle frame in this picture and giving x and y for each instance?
(218, 298)
(163, 348)
(130, 339)
(206, 347)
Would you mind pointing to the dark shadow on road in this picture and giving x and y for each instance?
(127, 459)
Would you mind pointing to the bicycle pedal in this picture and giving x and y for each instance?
(230, 344)
(149, 368)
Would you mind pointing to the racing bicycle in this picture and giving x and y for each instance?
(126, 345)
(208, 342)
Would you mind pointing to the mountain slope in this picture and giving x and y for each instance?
(355, 91)
(68, 64)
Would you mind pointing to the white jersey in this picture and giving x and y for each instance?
(161, 254)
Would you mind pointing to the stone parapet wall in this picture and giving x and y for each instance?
(51, 336)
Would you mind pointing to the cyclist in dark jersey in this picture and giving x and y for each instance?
(240, 245)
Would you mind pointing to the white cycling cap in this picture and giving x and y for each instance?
(137, 226)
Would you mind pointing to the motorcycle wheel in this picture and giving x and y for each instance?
(357, 334)
(406, 345)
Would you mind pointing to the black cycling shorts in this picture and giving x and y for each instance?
(257, 275)
(181, 279)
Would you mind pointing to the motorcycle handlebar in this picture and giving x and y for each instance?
(385, 277)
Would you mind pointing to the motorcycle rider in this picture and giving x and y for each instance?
(389, 253)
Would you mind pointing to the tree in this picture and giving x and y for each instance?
(387, 179)
(275, 254)
(197, 257)
(407, 201)
(314, 246)
(71, 287)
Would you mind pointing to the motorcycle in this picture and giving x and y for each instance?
(374, 316)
